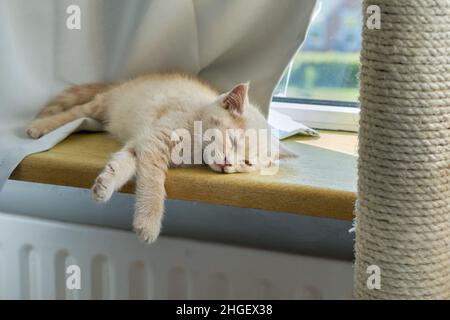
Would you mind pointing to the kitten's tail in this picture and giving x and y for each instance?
(73, 96)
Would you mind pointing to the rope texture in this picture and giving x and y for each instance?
(403, 206)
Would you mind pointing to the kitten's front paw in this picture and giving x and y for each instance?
(146, 228)
(37, 129)
(103, 188)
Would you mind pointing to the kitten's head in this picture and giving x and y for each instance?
(240, 139)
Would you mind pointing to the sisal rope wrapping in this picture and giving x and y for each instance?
(403, 207)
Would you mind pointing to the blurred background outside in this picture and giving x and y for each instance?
(327, 66)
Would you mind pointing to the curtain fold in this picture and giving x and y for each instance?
(224, 42)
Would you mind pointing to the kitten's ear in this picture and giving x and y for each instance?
(234, 100)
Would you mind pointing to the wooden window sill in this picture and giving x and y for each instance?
(322, 182)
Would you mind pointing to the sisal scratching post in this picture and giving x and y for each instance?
(403, 207)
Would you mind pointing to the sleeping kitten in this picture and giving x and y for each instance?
(143, 114)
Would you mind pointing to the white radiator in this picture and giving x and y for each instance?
(35, 254)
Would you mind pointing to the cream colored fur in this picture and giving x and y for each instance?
(142, 114)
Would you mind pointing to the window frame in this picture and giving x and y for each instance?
(320, 114)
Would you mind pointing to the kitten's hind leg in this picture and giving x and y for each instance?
(93, 109)
(116, 173)
(73, 96)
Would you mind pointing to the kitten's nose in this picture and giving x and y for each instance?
(224, 164)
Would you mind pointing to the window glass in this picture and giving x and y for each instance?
(327, 65)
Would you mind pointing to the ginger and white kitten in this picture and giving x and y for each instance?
(142, 114)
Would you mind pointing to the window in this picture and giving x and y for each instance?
(320, 86)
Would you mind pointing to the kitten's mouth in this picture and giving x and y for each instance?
(220, 167)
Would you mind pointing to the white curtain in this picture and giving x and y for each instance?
(222, 41)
